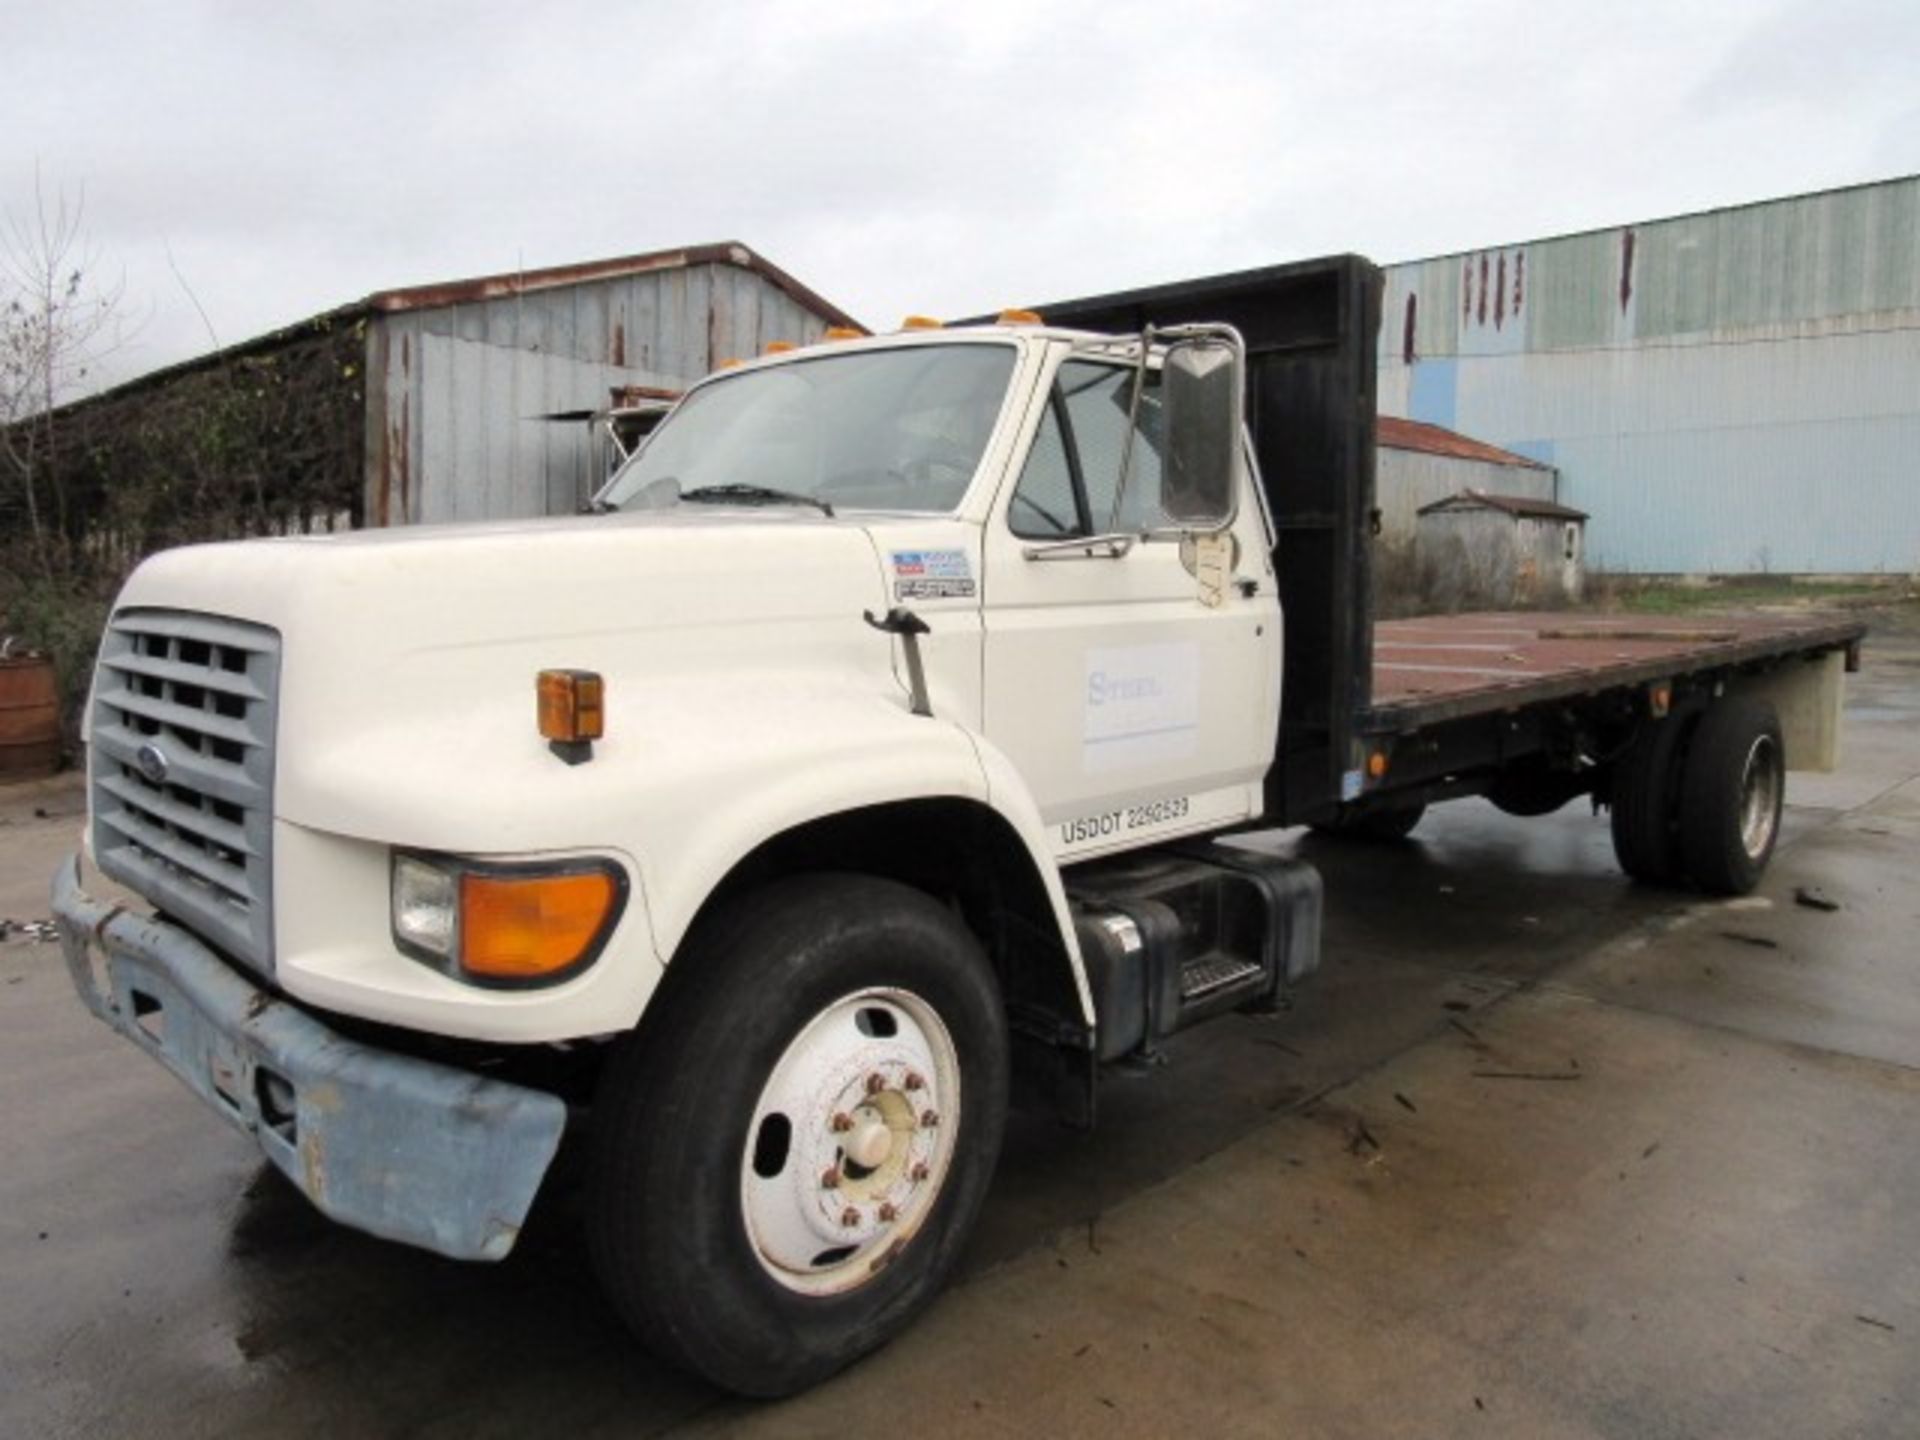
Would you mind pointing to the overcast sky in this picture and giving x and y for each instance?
(275, 160)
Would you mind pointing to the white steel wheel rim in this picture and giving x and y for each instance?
(1759, 796)
(851, 1141)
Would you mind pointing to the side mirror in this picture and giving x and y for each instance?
(1200, 408)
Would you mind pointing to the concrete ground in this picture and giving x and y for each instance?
(1538, 1153)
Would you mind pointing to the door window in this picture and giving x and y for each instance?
(1073, 470)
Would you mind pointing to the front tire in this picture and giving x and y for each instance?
(790, 1153)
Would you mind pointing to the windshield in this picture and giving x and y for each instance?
(895, 429)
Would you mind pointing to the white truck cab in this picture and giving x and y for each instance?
(864, 645)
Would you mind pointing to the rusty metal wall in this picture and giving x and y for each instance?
(455, 392)
(1726, 392)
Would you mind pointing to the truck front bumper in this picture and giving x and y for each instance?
(401, 1148)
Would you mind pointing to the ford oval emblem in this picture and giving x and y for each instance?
(152, 762)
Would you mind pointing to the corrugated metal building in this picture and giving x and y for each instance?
(1417, 464)
(1727, 392)
(456, 373)
(421, 404)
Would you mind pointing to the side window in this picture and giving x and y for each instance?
(1073, 471)
(1046, 502)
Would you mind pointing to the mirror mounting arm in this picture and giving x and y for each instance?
(1133, 427)
(1084, 547)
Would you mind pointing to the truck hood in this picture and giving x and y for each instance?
(412, 653)
(437, 585)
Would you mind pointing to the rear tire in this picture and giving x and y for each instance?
(1645, 801)
(1733, 787)
(760, 1211)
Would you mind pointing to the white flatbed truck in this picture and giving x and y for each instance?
(862, 764)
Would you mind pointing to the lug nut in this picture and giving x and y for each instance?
(831, 1180)
(888, 1214)
(919, 1172)
(842, 1122)
(849, 1217)
(929, 1118)
(914, 1082)
(876, 1082)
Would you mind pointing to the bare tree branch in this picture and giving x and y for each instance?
(57, 322)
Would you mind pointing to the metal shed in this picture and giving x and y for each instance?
(1417, 464)
(1501, 552)
(1731, 391)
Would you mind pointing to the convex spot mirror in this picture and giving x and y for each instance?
(1200, 409)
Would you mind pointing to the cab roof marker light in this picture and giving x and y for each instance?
(921, 322)
(779, 347)
(1020, 317)
(843, 332)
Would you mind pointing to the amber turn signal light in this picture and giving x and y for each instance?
(572, 706)
(521, 928)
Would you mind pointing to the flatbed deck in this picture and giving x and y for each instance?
(1442, 667)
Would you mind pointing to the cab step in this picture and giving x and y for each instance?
(1181, 933)
(1211, 974)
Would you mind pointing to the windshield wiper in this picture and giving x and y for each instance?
(753, 494)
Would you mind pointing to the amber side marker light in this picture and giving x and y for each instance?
(1377, 764)
(572, 712)
(525, 929)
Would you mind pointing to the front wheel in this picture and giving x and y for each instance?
(789, 1154)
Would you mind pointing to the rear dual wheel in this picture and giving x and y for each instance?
(1732, 791)
(791, 1153)
(1698, 798)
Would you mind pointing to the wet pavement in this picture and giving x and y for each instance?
(1538, 1153)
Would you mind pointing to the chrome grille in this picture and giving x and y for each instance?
(182, 761)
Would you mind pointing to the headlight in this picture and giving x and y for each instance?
(424, 904)
(505, 925)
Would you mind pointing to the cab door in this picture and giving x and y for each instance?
(1134, 683)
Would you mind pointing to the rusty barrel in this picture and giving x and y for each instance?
(29, 717)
